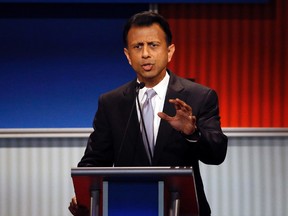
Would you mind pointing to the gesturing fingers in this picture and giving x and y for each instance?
(181, 105)
(184, 120)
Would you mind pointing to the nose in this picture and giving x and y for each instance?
(145, 51)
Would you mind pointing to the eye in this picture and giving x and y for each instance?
(154, 45)
(138, 46)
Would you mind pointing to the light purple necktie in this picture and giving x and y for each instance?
(148, 118)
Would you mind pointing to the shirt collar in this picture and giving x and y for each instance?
(160, 88)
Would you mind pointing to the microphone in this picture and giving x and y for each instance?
(138, 86)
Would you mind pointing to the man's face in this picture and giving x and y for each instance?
(148, 54)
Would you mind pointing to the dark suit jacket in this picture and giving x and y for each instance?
(107, 146)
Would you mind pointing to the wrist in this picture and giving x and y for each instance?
(193, 137)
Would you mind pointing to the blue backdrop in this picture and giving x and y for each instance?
(53, 69)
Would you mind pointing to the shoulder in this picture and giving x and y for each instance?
(123, 90)
(188, 86)
(191, 92)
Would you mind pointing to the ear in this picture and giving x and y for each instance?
(171, 50)
(126, 52)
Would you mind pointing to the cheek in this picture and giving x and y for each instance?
(134, 60)
(134, 64)
(163, 59)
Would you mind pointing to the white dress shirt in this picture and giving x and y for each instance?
(157, 102)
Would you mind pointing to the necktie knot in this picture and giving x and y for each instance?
(150, 93)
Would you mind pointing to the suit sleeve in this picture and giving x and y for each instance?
(99, 151)
(212, 145)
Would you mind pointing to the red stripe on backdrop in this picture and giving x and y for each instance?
(233, 80)
(284, 95)
(244, 74)
(256, 76)
(281, 34)
(224, 69)
(238, 50)
(268, 57)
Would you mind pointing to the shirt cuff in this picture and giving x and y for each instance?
(193, 137)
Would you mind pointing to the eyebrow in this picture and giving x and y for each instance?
(149, 43)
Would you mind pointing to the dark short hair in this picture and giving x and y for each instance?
(147, 18)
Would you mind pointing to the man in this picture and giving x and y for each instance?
(186, 114)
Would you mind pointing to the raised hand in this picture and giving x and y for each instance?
(183, 121)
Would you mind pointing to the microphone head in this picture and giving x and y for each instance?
(141, 85)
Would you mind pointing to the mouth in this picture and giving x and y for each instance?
(147, 67)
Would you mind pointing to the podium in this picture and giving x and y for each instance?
(147, 191)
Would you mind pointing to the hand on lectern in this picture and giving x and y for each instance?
(77, 210)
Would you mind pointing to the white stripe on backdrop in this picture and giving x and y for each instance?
(35, 176)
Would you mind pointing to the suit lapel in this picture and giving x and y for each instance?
(129, 98)
(165, 132)
(133, 145)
